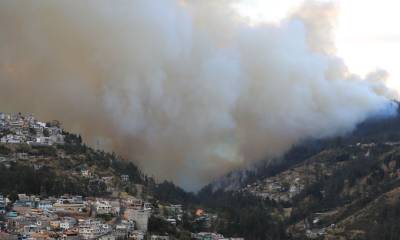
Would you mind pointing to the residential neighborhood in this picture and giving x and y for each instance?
(18, 128)
(115, 202)
(74, 217)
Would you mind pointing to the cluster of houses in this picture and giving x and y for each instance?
(211, 236)
(171, 213)
(288, 184)
(74, 217)
(316, 226)
(279, 188)
(19, 128)
(119, 216)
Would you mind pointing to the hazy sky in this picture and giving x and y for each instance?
(186, 89)
(363, 26)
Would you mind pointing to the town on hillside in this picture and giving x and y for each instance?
(115, 205)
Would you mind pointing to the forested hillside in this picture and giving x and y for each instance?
(345, 187)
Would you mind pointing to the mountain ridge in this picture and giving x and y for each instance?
(376, 125)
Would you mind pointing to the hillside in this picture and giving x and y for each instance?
(42, 158)
(43, 162)
(341, 188)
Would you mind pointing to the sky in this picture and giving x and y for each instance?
(362, 26)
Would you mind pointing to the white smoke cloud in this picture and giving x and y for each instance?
(186, 89)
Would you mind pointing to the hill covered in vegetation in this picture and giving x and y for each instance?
(346, 187)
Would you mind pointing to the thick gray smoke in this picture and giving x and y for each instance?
(186, 89)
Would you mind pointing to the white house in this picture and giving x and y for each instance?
(44, 141)
(86, 173)
(103, 207)
(91, 229)
(45, 205)
(67, 223)
(125, 178)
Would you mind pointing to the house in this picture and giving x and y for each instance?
(208, 236)
(69, 204)
(55, 224)
(12, 214)
(67, 223)
(37, 166)
(45, 205)
(176, 208)
(137, 235)
(147, 206)
(124, 227)
(125, 178)
(57, 139)
(293, 191)
(17, 123)
(32, 228)
(26, 201)
(315, 233)
(21, 156)
(40, 235)
(157, 237)
(2, 205)
(15, 140)
(53, 131)
(86, 173)
(93, 229)
(103, 207)
(12, 139)
(171, 221)
(109, 237)
(132, 202)
(44, 219)
(41, 124)
(44, 141)
(116, 207)
(107, 180)
(139, 216)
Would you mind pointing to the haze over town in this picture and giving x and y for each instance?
(205, 87)
(199, 120)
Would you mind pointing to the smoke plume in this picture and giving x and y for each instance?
(186, 89)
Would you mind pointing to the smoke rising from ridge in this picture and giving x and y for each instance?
(186, 89)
